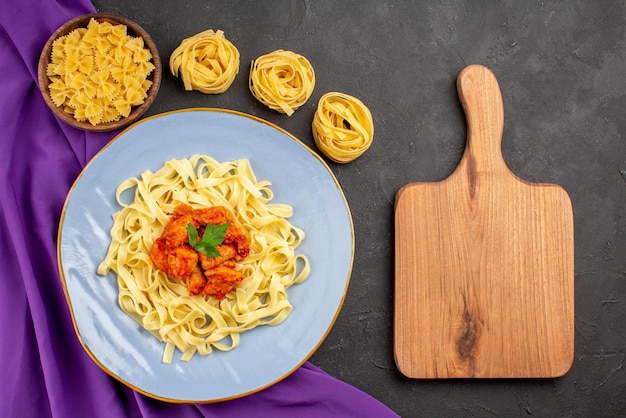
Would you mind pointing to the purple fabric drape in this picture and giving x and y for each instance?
(45, 371)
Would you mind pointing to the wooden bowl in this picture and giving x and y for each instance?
(133, 29)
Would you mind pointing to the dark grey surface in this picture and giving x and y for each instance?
(561, 67)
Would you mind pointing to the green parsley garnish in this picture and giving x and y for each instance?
(213, 236)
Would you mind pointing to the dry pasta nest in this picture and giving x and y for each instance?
(343, 127)
(282, 80)
(206, 62)
(99, 72)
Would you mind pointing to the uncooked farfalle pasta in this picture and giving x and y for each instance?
(282, 80)
(206, 62)
(99, 73)
(343, 127)
(162, 305)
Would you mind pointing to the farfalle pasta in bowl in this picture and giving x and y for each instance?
(99, 72)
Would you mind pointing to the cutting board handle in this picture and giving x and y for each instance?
(481, 98)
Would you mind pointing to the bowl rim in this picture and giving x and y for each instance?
(81, 21)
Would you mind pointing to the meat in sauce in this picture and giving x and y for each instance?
(213, 276)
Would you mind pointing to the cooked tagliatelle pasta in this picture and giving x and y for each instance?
(343, 127)
(282, 80)
(206, 62)
(163, 306)
(99, 73)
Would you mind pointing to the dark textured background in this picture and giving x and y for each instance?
(562, 70)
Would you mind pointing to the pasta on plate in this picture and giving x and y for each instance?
(199, 324)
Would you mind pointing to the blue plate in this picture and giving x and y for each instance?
(266, 354)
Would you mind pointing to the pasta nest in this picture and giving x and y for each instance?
(206, 62)
(282, 80)
(343, 127)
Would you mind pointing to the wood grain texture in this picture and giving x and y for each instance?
(484, 280)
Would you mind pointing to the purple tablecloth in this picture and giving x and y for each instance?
(45, 371)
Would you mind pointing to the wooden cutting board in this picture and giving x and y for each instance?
(484, 280)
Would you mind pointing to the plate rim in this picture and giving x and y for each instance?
(68, 299)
